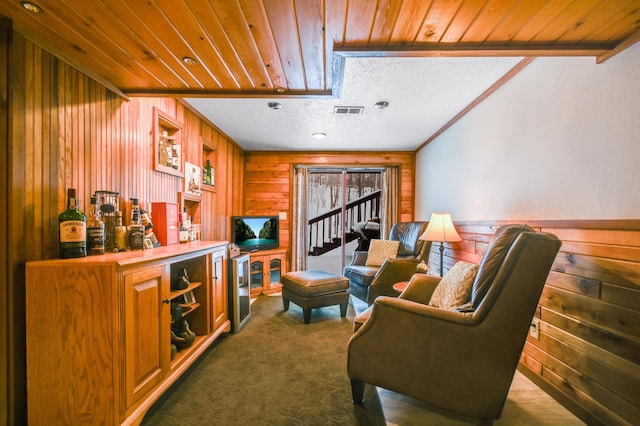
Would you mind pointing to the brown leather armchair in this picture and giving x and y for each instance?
(462, 360)
(368, 282)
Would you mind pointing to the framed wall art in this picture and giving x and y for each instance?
(192, 179)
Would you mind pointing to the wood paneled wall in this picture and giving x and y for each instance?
(7, 398)
(65, 130)
(269, 177)
(588, 353)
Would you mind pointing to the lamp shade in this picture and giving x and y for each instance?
(441, 229)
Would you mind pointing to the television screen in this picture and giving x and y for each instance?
(253, 233)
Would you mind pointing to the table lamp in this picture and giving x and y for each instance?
(440, 229)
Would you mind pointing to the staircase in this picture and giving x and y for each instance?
(325, 231)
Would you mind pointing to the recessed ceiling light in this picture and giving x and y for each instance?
(319, 135)
(382, 104)
(274, 105)
(280, 89)
(32, 7)
(189, 60)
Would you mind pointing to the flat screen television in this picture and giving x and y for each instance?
(253, 233)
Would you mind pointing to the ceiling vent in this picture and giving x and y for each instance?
(348, 110)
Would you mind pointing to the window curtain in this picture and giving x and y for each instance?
(299, 220)
(389, 201)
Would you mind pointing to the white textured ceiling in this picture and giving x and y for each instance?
(423, 95)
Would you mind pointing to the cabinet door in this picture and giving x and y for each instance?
(257, 276)
(146, 324)
(275, 270)
(219, 302)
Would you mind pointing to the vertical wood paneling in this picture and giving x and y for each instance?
(588, 353)
(69, 131)
(268, 177)
(6, 385)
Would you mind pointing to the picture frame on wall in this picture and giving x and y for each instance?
(192, 179)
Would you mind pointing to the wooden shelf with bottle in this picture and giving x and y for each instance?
(162, 122)
(208, 158)
(192, 205)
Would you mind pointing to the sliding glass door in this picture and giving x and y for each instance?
(343, 206)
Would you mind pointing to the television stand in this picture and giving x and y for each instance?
(267, 268)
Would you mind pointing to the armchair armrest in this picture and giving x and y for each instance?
(390, 272)
(359, 258)
(420, 288)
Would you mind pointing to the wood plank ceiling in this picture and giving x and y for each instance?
(294, 47)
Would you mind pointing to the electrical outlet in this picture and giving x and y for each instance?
(534, 329)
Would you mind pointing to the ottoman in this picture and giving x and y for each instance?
(314, 289)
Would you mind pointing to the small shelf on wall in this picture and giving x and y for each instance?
(208, 154)
(167, 151)
(190, 203)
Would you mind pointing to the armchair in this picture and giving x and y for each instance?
(368, 282)
(461, 360)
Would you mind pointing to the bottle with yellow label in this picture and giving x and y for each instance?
(72, 229)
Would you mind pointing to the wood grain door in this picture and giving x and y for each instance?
(219, 305)
(146, 324)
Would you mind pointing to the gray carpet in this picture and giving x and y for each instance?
(275, 371)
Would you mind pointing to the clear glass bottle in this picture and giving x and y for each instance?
(95, 230)
(136, 228)
(184, 227)
(175, 158)
(72, 229)
(121, 233)
(163, 154)
(169, 148)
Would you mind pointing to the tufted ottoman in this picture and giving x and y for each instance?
(315, 289)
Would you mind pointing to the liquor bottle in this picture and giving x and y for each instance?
(208, 173)
(95, 230)
(162, 149)
(121, 233)
(169, 148)
(72, 228)
(175, 158)
(136, 228)
(184, 227)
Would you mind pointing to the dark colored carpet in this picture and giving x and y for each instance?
(275, 371)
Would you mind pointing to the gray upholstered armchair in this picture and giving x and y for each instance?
(369, 282)
(462, 360)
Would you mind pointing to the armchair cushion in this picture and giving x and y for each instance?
(498, 248)
(408, 233)
(455, 287)
(380, 250)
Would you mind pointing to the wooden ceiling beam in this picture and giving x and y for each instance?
(626, 43)
(458, 51)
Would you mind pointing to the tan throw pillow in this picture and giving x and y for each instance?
(455, 287)
(380, 250)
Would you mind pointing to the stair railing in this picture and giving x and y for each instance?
(325, 230)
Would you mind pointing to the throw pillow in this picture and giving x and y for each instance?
(380, 250)
(454, 289)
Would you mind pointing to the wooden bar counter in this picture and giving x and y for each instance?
(99, 330)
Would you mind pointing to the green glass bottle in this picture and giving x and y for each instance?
(72, 229)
